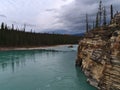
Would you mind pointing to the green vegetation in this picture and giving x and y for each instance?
(10, 37)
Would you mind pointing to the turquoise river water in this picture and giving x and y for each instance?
(44, 69)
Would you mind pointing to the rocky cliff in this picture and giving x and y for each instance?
(99, 58)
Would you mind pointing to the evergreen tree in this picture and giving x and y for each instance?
(97, 21)
(104, 17)
(12, 27)
(2, 26)
(6, 27)
(87, 26)
(111, 9)
(93, 24)
(100, 13)
(24, 27)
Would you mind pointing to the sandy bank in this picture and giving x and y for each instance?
(29, 48)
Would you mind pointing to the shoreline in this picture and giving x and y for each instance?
(31, 48)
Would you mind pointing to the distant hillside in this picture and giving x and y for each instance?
(79, 34)
(61, 31)
(57, 32)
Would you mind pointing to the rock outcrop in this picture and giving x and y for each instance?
(99, 58)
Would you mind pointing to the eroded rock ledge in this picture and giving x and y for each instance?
(99, 58)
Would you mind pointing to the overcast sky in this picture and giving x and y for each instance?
(45, 15)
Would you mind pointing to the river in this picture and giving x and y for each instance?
(51, 68)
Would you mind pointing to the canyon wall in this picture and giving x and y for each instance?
(99, 58)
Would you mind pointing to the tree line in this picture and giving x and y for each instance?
(101, 17)
(11, 37)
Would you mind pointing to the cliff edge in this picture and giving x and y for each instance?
(99, 57)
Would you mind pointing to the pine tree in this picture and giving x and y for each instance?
(2, 26)
(97, 21)
(93, 24)
(87, 26)
(12, 27)
(111, 9)
(100, 13)
(24, 27)
(6, 27)
(104, 17)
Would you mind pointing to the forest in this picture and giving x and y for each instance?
(11, 37)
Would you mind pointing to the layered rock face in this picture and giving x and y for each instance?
(99, 58)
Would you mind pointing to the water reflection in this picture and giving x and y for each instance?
(17, 59)
(4, 65)
(14, 59)
(83, 80)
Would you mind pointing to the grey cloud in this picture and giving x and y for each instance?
(30, 25)
(51, 10)
(64, 0)
(73, 15)
(3, 16)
